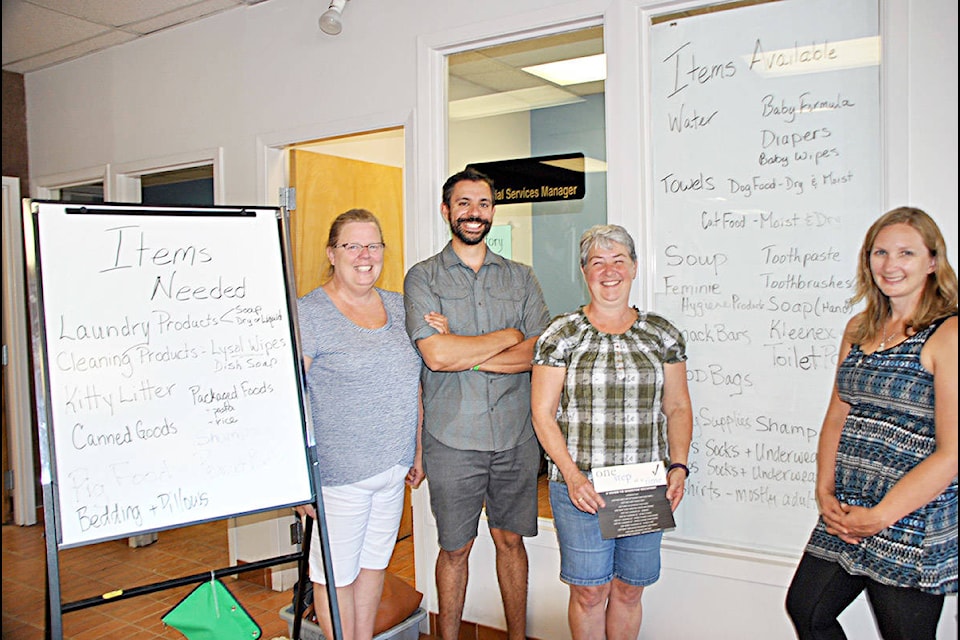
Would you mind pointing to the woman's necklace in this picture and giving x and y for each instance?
(883, 343)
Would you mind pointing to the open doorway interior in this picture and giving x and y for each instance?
(529, 101)
(333, 175)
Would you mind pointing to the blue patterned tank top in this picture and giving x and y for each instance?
(888, 431)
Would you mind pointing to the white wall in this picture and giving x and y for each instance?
(264, 74)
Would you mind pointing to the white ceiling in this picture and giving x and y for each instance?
(42, 33)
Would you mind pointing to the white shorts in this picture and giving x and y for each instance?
(362, 523)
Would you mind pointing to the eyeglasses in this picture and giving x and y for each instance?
(354, 248)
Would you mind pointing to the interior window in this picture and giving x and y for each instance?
(523, 112)
(540, 100)
(185, 187)
(85, 193)
(192, 186)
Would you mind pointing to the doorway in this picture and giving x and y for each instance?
(332, 175)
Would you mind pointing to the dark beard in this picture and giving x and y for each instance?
(456, 230)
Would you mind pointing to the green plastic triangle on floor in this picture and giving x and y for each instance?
(210, 612)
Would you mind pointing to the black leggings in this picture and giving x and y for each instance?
(821, 590)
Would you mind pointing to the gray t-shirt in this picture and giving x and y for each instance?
(475, 410)
(363, 387)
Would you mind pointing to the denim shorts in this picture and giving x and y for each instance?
(587, 560)
(463, 483)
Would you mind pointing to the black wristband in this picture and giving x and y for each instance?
(679, 465)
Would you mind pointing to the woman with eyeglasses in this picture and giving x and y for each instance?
(363, 378)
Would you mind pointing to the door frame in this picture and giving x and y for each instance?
(18, 414)
(273, 177)
(273, 162)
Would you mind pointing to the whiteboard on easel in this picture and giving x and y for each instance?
(172, 392)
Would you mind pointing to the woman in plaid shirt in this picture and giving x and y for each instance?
(609, 388)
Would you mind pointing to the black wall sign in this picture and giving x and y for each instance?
(541, 179)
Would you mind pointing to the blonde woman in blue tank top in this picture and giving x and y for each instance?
(887, 455)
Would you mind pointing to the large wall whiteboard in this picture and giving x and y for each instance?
(172, 391)
(766, 161)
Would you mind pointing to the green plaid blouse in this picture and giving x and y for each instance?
(610, 407)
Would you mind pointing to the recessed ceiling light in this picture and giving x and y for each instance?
(509, 102)
(572, 71)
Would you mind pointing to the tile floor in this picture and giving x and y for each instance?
(92, 570)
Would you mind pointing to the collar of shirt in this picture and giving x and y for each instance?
(450, 259)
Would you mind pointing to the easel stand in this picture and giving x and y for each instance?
(169, 380)
(55, 608)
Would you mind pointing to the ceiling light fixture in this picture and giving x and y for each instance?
(572, 71)
(496, 104)
(331, 22)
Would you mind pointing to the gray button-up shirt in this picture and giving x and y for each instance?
(475, 410)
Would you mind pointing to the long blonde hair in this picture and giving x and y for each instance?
(939, 297)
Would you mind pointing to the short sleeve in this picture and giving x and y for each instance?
(536, 315)
(673, 343)
(309, 313)
(418, 300)
(550, 349)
